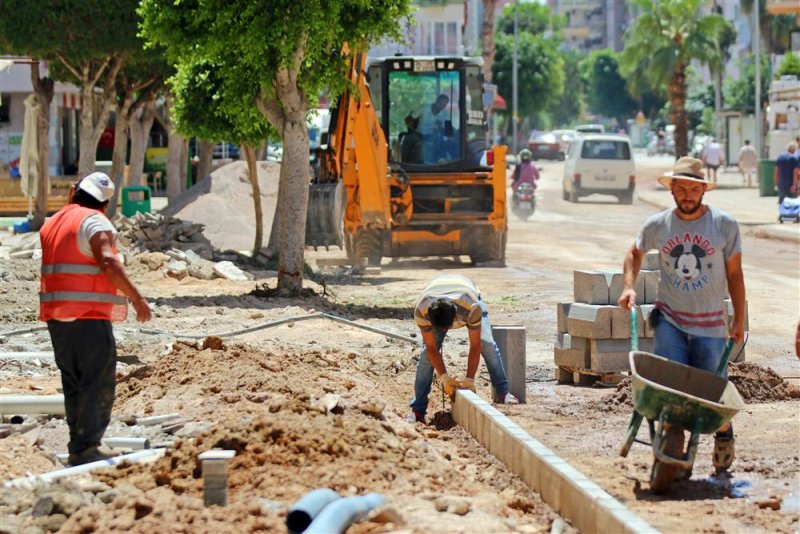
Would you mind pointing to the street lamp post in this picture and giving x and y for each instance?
(757, 53)
(514, 88)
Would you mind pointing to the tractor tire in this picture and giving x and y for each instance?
(662, 475)
(485, 245)
(369, 244)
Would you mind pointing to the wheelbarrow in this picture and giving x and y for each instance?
(676, 398)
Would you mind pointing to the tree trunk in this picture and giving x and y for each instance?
(120, 150)
(173, 155)
(677, 98)
(205, 155)
(184, 165)
(293, 202)
(718, 132)
(252, 171)
(44, 93)
(140, 126)
(487, 39)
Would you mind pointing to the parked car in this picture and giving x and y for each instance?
(600, 163)
(590, 128)
(564, 138)
(545, 146)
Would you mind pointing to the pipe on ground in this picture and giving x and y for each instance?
(32, 404)
(132, 443)
(337, 516)
(303, 512)
(33, 480)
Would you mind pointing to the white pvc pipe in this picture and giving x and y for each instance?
(157, 419)
(133, 457)
(132, 443)
(32, 404)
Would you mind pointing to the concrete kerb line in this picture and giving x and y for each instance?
(573, 495)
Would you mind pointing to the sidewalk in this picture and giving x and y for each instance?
(749, 209)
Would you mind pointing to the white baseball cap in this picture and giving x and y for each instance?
(99, 185)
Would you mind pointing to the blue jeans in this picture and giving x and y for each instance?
(491, 355)
(696, 351)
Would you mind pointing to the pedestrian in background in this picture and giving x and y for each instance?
(787, 173)
(452, 301)
(713, 159)
(700, 252)
(83, 289)
(748, 162)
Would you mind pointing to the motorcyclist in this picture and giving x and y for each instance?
(525, 171)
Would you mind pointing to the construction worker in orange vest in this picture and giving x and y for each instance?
(84, 287)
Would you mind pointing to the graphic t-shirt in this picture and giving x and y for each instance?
(692, 259)
(461, 291)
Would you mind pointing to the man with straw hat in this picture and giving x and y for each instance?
(700, 251)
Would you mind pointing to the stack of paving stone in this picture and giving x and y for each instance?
(150, 232)
(594, 333)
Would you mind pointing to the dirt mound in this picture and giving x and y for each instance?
(619, 399)
(223, 203)
(760, 384)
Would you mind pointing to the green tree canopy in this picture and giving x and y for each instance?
(540, 72)
(533, 18)
(740, 94)
(789, 65)
(567, 107)
(286, 52)
(659, 46)
(85, 42)
(606, 90)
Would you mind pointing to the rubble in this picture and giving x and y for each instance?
(150, 232)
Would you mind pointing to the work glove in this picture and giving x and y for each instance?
(449, 384)
(467, 383)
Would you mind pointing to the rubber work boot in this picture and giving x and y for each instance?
(508, 398)
(723, 450)
(415, 417)
(92, 454)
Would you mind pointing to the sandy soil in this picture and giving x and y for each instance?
(264, 393)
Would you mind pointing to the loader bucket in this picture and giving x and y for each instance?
(324, 217)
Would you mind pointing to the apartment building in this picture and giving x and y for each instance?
(592, 24)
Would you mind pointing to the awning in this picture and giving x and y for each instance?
(499, 102)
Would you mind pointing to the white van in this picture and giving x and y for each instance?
(590, 128)
(600, 163)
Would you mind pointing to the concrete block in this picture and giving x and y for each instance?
(565, 340)
(612, 516)
(651, 279)
(608, 355)
(651, 261)
(644, 311)
(578, 498)
(589, 321)
(577, 359)
(615, 288)
(511, 341)
(591, 287)
(562, 311)
(621, 323)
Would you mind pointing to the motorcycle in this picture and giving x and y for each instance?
(523, 201)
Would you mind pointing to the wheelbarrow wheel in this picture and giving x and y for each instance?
(663, 475)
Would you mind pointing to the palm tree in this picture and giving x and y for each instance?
(659, 46)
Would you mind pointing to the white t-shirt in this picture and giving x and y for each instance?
(712, 155)
(91, 225)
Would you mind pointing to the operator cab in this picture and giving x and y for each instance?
(431, 110)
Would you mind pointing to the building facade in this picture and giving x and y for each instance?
(592, 24)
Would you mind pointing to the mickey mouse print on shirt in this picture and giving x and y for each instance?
(690, 261)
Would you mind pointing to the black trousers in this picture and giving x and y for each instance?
(86, 354)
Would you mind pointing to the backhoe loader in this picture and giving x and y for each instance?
(406, 170)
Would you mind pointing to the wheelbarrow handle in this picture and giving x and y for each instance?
(634, 330)
(723, 363)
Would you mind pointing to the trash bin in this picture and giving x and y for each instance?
(766, 178)
(135, 198)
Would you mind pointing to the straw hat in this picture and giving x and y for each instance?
(687, 168)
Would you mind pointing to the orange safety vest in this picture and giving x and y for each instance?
(73, 285)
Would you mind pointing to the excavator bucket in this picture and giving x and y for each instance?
(324, 217)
